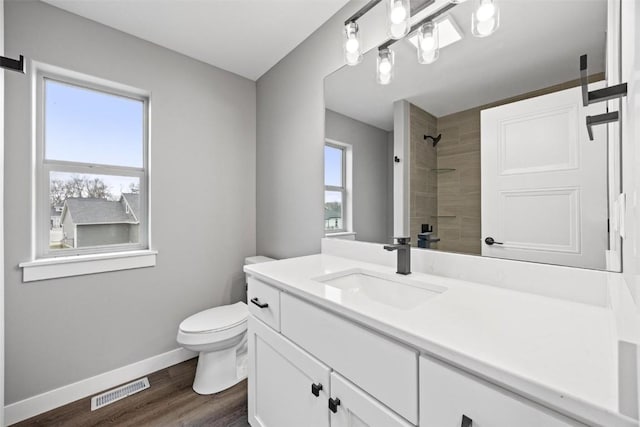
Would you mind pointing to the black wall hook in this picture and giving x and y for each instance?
(435, 140)
(599, 95)
(13, 64)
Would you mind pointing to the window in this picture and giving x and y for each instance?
(91, 167)
(335, 188)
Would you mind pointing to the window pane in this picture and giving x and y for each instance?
(333, 212)
(83, 125)
(93, 210)
(333, 166)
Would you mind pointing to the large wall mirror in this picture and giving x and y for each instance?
(486, 150)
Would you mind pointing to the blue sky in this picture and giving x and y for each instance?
(332, 172)
(83, 125)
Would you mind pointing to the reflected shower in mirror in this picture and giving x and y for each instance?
(484, 151)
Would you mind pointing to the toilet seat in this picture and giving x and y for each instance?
(216, 319)
(214, 325)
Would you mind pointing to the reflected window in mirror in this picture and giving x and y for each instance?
(336, 200)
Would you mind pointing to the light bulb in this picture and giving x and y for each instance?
(428, 43)
(384, 66)
(486, 11)
(398, 13)
(486, 18)
(398, 17)
(351, 44)
(485, 28)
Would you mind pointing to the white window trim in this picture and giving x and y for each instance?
(78, 265)
(45, 265)
(347, 190)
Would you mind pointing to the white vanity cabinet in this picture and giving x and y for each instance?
(290, 386)
(311, 367)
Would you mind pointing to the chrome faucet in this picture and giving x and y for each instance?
(404, 254)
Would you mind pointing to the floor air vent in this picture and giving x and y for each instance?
(116, 394)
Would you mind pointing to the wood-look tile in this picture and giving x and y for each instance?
(170, 401)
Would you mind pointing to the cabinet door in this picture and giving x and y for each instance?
(281, 376)
(355, 408)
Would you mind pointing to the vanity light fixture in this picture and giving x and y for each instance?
(351, 44)
(427, 35)
(486, 18)
(428, 43)
(398, 18)
(384, 66)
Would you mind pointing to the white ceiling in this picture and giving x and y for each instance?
(246, 37)
(537, 45)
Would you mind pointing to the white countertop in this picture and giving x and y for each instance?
(559, 353)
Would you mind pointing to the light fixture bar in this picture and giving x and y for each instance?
(420, 7)
(415, 27)
(360, 13)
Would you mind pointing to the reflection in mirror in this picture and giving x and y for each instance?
(498, 160)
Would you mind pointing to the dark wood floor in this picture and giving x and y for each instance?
(169, 401)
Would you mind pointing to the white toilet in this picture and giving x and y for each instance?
(219, 334)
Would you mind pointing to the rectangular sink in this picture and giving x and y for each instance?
(358, 285)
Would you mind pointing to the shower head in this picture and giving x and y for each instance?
(434, 139)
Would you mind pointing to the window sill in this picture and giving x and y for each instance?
(348, 235)
(78, 265)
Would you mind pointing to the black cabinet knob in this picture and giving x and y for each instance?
(466, 421)
(315, 389)
(333, 404)
(491, 241)
(257, 302)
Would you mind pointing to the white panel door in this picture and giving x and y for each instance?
(351, 407)
(544, 183)
(281, 376)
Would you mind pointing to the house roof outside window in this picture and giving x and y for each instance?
(102, 211)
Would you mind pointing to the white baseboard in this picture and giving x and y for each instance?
(44, 402)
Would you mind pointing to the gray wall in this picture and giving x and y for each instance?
(202, 205)
(2, 347)
(290, 138)
(370, 173)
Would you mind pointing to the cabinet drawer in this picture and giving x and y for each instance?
(383, 368)
(264, 302)
(447, 394)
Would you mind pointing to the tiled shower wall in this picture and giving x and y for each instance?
(423, 179)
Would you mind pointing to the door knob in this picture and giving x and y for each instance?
(315, 389)
(491, 241)
(333, 404)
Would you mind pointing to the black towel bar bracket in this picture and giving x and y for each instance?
(599, 95)
(13, 64)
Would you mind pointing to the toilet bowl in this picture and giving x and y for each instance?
(219, 335)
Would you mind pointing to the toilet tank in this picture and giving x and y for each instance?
(256, 260)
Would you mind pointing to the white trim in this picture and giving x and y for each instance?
(49, 400)
(43, 167)
(350, 235)
(51, 268)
